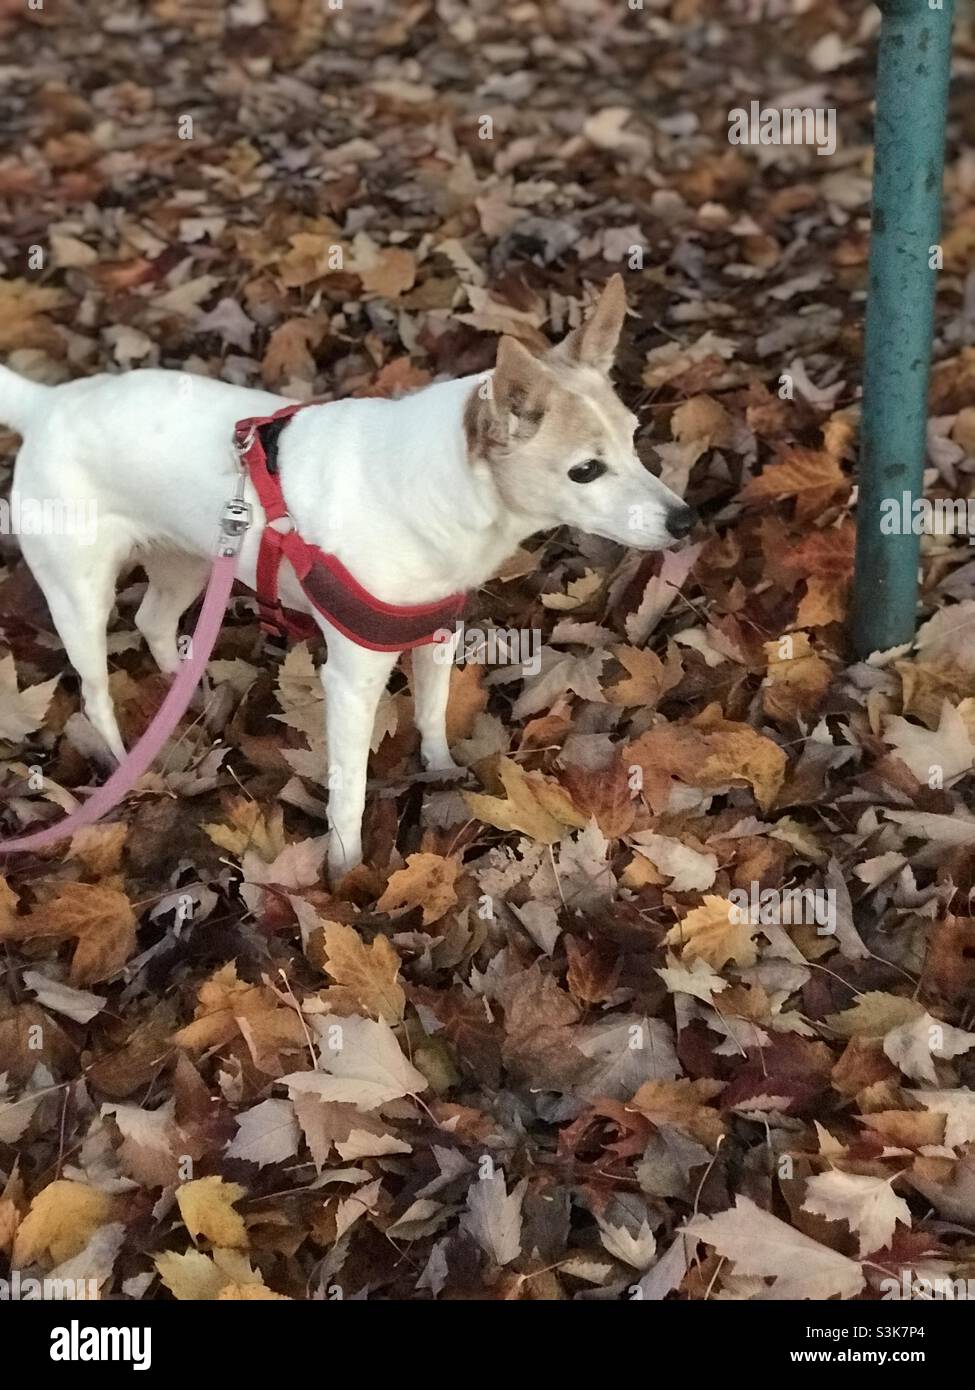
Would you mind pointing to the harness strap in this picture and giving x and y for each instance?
(329, 587)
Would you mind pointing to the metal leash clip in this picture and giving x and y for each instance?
(234, 521)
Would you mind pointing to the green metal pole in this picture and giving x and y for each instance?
(912, 96)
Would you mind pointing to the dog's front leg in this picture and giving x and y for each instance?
(431, 687)
(353, 679)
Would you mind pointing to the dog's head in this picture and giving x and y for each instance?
(559, 441)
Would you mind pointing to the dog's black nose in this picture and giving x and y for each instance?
(681, 522)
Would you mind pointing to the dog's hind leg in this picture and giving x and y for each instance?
(78, 582)
(175, 580)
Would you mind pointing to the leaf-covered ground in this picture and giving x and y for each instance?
(526, 1051)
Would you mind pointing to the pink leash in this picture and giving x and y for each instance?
(234, 522)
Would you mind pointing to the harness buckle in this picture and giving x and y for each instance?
(242, 445)
(234, 521)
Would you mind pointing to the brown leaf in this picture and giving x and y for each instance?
(428, 882)
(369, 973)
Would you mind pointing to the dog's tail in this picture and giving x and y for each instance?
(20, 400)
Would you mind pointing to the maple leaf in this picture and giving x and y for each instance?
(387, 271)
(660, 592)
(228, 1008)
(812, 476)
(603, 793)
(267, 1133)
(427, 882)
(761, 1244)
(636, 1249)
(716, 932)
(206, 1206)
(467, 699)
(578, 592)
(708, 753)
(874, 1014)
(682, 1105)
(99, 917)
(536, 805)
(648, 678)
(249, 828)
(62, 1218)
(369, 973)
(493, 1216)
(148, 1152)
(825, 560)
(250, 1293)
(948, 752)
(627, 1050)
(196, 1276)
(824, 602)
(561, 672)
(911, 1046)
(797, 682)
(21, 711)
(868, 1205)
(690, 870)
(958, 1108)
(697, 979)
(361, 1063)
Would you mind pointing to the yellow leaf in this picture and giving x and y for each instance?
(194, 1276)
(717, 932)
(206, 1208)
(578, 592)
(535, 805)
(427, 881)
(250, 1293)
(249, 828)
(60, 1222)
(874, 1015)
(369, 972)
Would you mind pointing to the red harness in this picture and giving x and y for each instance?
(327, 584)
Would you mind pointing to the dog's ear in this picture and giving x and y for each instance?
(593, 343)
(509, 406)
(520, 389)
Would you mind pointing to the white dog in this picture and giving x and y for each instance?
(418, 497)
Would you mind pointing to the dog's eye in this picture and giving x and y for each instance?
(587, 472)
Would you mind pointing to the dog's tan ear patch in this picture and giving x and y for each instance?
(521, 389)
(509, 406)
(594, 343)
(520, 381)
